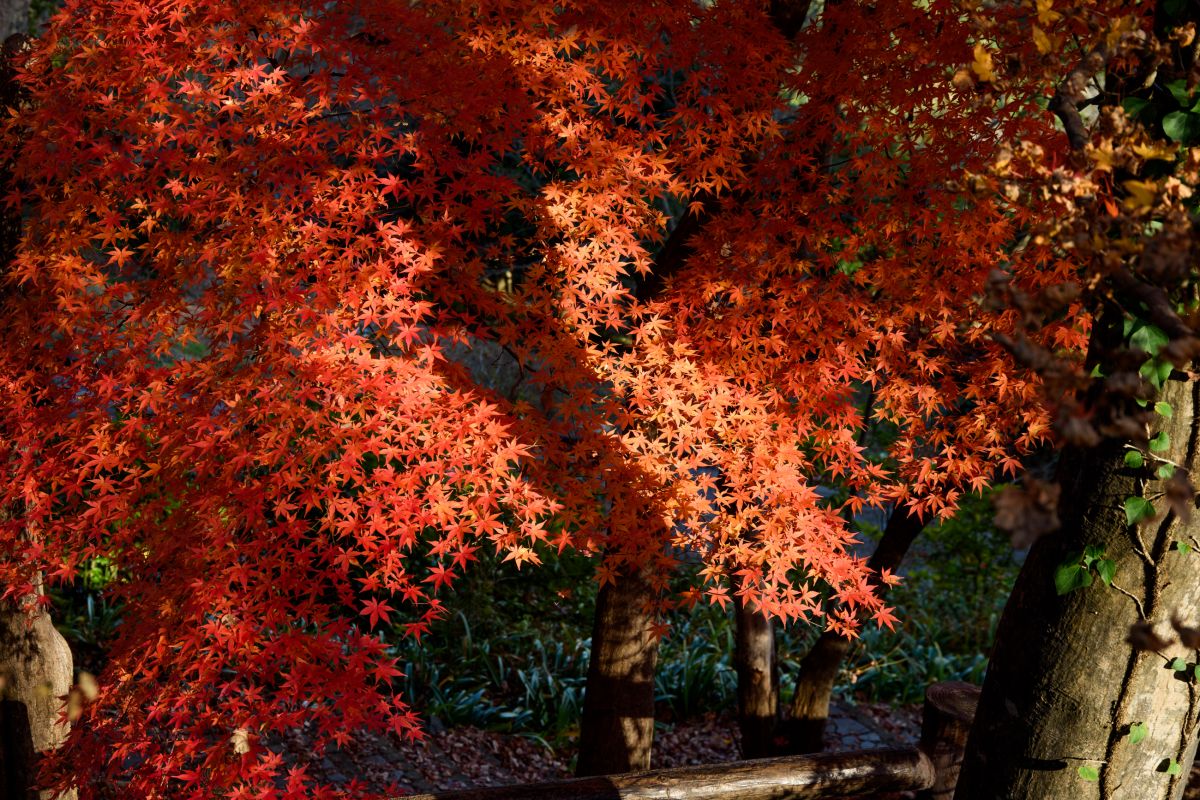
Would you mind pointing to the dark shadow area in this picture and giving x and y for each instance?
(16, 751)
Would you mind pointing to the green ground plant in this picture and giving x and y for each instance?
(957, 577)
(512, 652)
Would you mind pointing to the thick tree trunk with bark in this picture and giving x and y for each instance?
(35, 673)
(758, 680)
(1064, 688)
(819, 668)
(617, 729)
(805, 729)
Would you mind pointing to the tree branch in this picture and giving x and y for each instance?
(788, 17)
(1071, 95)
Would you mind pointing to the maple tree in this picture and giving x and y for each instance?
(256, 237)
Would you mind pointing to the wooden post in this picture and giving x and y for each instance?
(931, 770)
(949, 710)
(825, 775)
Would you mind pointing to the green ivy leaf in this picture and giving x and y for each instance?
(1137, 732)
(1173, 767)
(1137, 509)
(1179, 665)
(1161, 442)
(1149, 338)
(1165, 471)
(1089, 773)
(1069, 577)
(1183, 547)
(1179, 91)
(1134, 106)
(1133, 459)
(1164, 408)
(1181, 126)
(1156, 372)
(1106, 568)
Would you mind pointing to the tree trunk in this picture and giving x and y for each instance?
(14, 17)
(1065, 690)
(758, 680)
(617, 729)
(820, 666)
(35, 673)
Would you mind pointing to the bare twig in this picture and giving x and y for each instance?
(1138, 603)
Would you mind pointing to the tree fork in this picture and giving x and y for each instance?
(809, 711)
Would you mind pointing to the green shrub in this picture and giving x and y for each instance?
(957, 577)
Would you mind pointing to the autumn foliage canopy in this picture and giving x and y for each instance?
(259, 239)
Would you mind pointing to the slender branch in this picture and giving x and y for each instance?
(676, 249)
(1158, 304)
(1071, 95)
(788, 16)
(1138, 603)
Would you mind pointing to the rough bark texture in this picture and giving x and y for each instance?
(809, 712)
(793, 778)
(805, 729)
(35, 673)
(1063, 685)
(617, 728)
(758, 680)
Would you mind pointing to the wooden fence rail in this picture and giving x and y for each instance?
(932, 769)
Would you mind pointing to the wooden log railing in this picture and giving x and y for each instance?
(930, 769)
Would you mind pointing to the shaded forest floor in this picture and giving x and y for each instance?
(464, 757)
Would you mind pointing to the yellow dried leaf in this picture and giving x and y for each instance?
(962, 80)
(1046, 16)
(74, 705)
(88, 686)
(1003, 158)
(983, 66)
(240, 741)
(1141, 194)
(1119, 28)
(1044, 45)
(1103, 156)
(1156, 151)
(1184, 35)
